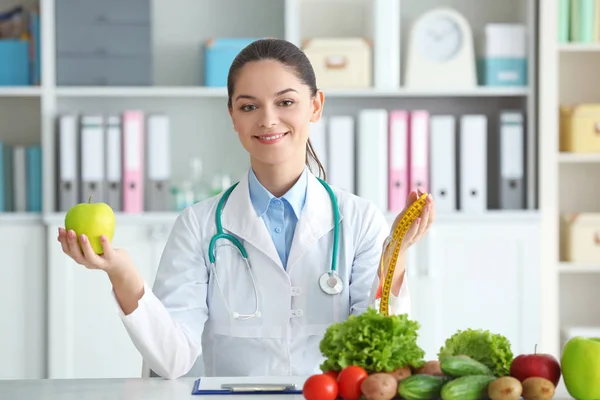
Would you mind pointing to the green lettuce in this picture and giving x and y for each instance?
(491, 349)
(373, 341)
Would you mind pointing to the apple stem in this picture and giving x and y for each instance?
(535, 349)
(90, 199)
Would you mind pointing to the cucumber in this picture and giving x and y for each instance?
(470, 387)
(457, 366)
(421, 387)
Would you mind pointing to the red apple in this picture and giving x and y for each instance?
(537, 364)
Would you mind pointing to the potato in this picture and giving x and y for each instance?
(401, 373)
(536, 388)
(379, 386)
(431, 368)
(505, 388)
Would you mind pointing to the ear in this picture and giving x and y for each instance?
(317, 106)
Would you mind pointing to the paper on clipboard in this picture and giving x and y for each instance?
(253, 385)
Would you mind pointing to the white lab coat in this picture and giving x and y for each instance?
(184, 316)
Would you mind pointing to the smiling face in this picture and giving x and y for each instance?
(271, 111)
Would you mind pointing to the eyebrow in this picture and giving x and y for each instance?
(247, 96)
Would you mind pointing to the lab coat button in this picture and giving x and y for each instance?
(296, 291)
(278, 229)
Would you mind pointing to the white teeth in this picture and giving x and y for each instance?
(271, 137)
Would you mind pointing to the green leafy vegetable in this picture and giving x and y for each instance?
(488, 348)
(376, 342)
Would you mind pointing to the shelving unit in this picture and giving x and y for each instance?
(178, 37)
(202, 127)
(568, 181)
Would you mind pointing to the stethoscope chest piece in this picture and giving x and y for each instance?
(331, 283)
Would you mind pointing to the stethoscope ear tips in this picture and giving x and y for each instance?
(258, 314)
(235, 315)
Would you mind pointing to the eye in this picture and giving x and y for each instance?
(286, 103)
(248, 107)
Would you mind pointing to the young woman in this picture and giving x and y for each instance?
(246, 279)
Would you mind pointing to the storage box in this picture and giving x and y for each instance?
(219, 54)
(580, 128)
(341, 62)
(14, 62)
(503, 58)
(106, 42)
(502, 71)
(580, 237)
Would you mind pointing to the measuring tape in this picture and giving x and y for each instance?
(385, 285)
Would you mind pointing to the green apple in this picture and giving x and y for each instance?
(580, 363)
(92, 220)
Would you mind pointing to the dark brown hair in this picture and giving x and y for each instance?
(289, 55)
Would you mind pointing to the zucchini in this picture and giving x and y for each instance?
(470, 387)
(421, 387)
(457, 366)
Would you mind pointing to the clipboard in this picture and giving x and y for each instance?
(246, 389)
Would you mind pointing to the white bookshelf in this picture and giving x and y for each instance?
(568, 181)
(201, 125)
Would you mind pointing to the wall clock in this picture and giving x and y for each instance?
(441, 53)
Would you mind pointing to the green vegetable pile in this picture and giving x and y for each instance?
(373, 341)
(491, 349)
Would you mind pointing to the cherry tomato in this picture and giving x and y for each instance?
(349, 381)
(333, 374)
(320, 387)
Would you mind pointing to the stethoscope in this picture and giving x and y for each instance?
(330, 282)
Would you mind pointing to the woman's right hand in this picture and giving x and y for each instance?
(112, 261)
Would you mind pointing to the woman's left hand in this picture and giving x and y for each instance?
(419, 227)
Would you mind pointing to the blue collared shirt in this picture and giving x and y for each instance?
(280, 214)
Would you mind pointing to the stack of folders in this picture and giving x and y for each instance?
(578, 21)
(123, 160)
(390, 153)
(20, 178)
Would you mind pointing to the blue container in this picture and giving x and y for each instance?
(219, 54)
(502, 71)
(14, 62)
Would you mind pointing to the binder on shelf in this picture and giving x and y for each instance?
(133, 161)
(6, 178)
(92, 158)
(398, 160)
(33, 157)
(20, 179)
(372, 156)
(114, 170)
(341, 159)
(159, 162)
(318, 140)
(419, 150)
(512, 159)
(68, 179)
(443, 162)
(473, 163)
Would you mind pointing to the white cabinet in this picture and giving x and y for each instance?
(86, 337)
(480, 274)
(23, 305)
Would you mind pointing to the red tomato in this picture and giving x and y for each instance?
(333, 374)
(349, 381)
(320, 387)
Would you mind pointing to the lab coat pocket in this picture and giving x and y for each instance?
(232, 294)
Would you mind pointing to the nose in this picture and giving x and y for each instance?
(268, 117)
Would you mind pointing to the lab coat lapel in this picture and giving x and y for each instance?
(316, 220)
(240, 218)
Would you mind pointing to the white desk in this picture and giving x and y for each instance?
(128, 389)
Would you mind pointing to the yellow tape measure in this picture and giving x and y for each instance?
(411, 214)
